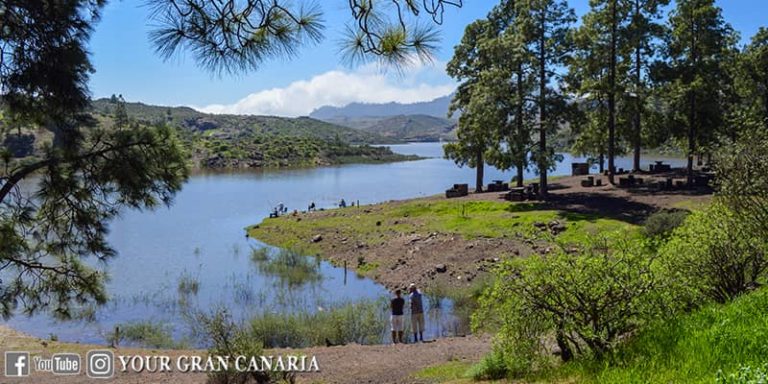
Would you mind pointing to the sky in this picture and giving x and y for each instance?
(126, 64)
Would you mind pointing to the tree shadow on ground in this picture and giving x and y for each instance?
(590, 206)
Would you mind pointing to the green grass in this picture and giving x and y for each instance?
(362, 322)
(450, 372)
(690, 349)
(289, 266)
(148, 333)
(470, 219)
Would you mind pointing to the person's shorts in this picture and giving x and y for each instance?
(417, 322)
(397, 323)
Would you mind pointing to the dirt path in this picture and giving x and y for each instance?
(348, 364)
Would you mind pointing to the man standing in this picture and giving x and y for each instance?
(417, 314)
(397, 304)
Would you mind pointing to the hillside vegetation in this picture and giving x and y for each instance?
(235, 141)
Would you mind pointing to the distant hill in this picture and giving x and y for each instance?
(437, 108)
(239, 141)
(425, 121)
(414, 128)
(225, 125)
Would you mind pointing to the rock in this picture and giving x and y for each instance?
(378, 223)
(441, 268)
(539, 225)
(557, 228)
(317, 238)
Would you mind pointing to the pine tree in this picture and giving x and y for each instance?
(699, 45)
(544, 29)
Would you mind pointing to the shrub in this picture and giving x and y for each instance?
(586, 300)
(226, 338)
(715, 254)
(662, 223)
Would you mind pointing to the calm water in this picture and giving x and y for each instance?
(202, 236)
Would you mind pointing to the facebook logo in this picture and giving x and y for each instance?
(17, 364)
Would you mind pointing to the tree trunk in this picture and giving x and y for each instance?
(480, 167)
(566, 354)
(692, 106)
(542, 105)
(765, 106)
(638, 101)
(521, 134)
(602, 162)
(612, 97)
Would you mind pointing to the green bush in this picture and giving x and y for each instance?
(662, 223)
(587, 300)
(226, 338)
(715, 255)
(716, 343)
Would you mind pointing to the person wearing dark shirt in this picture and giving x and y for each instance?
(417, 314)
(397, 304)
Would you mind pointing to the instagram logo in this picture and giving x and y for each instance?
(100, 364)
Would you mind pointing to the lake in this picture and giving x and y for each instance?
(201, 237)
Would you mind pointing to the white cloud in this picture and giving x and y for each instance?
(338, 88)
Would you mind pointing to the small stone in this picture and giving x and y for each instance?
(317, 238)
(441, 268)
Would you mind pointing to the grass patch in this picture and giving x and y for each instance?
(148, 334)
(289, 266)
(188, 284)
(470, 219)
(445, 373)
(362, 322)
(725, 341)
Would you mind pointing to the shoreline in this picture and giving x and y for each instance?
(346, 364)
(433, 241)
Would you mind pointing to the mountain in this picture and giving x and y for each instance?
(437, 108)
(238, 141)
(413, 128)
(424, 121)
(225, 125)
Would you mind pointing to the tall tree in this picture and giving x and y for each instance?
(496, 74)
(471, 58)
(753, 78)
(699, 44)
(544, 29)
(644, 31)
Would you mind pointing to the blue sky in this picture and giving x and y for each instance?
(126, 64)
